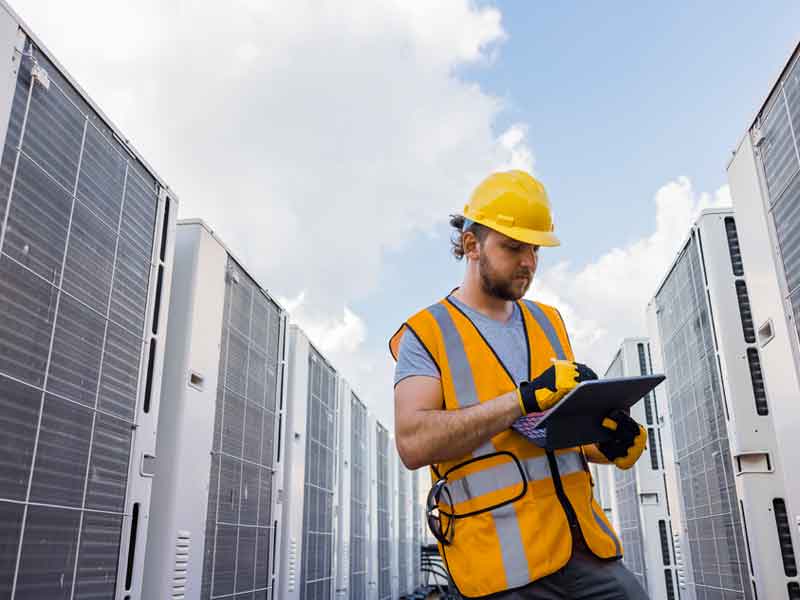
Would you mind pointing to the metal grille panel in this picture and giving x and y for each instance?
(404, 522)
(779, 155)
(714, 530)
(316, 580)
(630, 523)
(69, 360)
(416, 536)
(384, 533)
(239, 525)
(358, 500)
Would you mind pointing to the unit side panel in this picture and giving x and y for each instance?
(81, 341)
(704, 467)
(240, 526)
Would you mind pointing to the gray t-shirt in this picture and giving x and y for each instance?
(507, 339)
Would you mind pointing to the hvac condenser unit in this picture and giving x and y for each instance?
(382, 553)
(86, 245)
(417, 488)
(729, 471)
(309, 492)
(404, 528)
(764, 177)
(353, 484)
(213, 523)
(640, 493)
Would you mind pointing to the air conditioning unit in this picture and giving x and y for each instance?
(213, 534)
(310, 491)
(353, 485)
(86, 247)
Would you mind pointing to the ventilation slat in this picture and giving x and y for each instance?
(784, 537)
(757, 377)
(746, 314)
(662, 531)
(733, 247)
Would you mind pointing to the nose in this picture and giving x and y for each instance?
(529, 257)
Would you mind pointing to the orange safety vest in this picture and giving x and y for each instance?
(511, 546)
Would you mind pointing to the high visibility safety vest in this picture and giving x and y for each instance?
(511, 546)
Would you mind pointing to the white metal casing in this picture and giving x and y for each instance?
(296, 557)
(343, 505)
(757, 466)
(373, 570)
(394, 534)
(181, 543)
(683, 570)
(404, 527)
(773, 319)
(649, 492)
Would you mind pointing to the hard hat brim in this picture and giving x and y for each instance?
(524, 235)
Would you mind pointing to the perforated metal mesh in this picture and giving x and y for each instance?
(403, 523)
(630, 523)
(416, 536)
(77, 215)
(778, 153)
(239, 526)
(708, 494)
(358, 500)
(317, 572)
(384, 530)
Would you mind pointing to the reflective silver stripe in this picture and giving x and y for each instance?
(515, 562)
(505, 475)
(608, 532)
(460, 371)
(547, 326)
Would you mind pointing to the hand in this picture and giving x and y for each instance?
(551, 385)
(629, 439)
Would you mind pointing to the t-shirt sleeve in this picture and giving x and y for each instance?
(413, 359)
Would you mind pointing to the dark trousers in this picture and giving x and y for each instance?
(584, 577)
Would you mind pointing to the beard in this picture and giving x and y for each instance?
(498, 286)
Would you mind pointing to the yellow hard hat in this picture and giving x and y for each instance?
(516, 205)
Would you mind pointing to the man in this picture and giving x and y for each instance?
(517, 522)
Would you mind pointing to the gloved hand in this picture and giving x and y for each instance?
(551, 385)
(629, 439)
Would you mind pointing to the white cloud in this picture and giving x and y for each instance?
(311, 135)
(604, 301)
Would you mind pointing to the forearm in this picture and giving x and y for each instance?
(435, 436)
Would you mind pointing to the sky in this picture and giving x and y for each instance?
(327, 142)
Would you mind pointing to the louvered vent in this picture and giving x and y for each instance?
(670, 584)
(648, 410)
(642, 360)
(757, 377)
(662, 531)
(793, 589)
(733, 247)
(182, 547)
(653, 448)
(748, 328)
(784, 537)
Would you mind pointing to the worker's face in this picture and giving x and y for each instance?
(506, 266)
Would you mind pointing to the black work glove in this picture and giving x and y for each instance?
(551, 385)
(628, 442)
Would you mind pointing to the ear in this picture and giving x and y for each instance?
(471, 245)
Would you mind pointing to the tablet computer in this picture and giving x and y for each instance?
(577, 418)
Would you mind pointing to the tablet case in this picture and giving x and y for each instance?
(577, 418)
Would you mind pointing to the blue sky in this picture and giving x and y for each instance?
(618, 99)
(326, 142)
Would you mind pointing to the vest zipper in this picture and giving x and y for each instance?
(562, 496)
